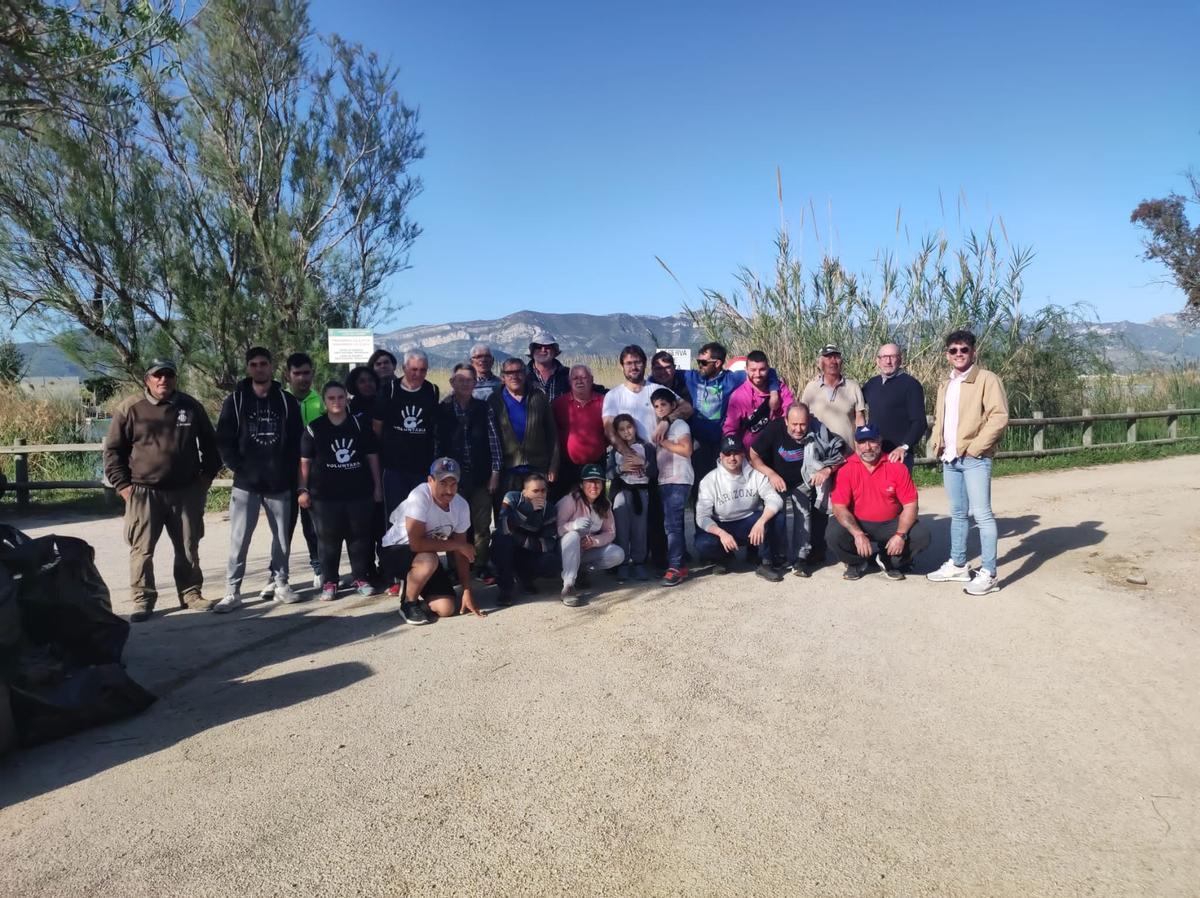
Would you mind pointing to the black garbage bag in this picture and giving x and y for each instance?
(10, 618)
(50, 701)
(64, 600)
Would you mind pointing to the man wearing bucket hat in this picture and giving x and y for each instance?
(874, 506)
(161, 455)
(546, 372)
(433, 520)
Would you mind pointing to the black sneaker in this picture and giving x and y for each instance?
(572, 597)
(415, 613)
(504, 597)
(801, 569)
(768, 573)
(890, 572)
(720, 568)
(141, 613)
(854, 571)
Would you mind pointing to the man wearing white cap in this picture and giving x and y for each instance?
(546, 372)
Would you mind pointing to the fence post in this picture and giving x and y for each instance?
(1172, 423)
(1131, 433)
(1087, 429)
(1039, 434)
(21, 474)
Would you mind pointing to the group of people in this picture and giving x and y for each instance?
(539, 471)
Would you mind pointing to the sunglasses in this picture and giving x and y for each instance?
(958, 350)
(516, 373)
(704, 363)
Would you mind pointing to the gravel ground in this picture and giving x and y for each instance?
(729, 737)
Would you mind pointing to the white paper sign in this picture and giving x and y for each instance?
(351, 345)
(683, 357)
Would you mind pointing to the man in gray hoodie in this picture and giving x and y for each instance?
(737, 506)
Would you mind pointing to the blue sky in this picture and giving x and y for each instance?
(568, 144)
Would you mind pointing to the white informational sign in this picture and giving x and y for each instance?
(351, 345)
(683, 357)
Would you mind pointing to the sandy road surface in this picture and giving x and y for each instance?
(729, 737)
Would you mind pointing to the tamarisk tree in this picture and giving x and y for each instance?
(254, 188)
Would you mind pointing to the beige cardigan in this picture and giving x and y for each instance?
(982, 415)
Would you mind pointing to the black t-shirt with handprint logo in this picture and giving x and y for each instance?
(409, 422)
(338, 454)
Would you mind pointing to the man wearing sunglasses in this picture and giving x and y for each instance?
(970, 415)
(710, 386)
(546, 372)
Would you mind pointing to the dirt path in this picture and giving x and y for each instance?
(729, 737)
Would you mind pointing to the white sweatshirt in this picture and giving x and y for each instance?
(732, 497)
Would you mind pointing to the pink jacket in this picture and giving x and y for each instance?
(742, 403)
(571, 509)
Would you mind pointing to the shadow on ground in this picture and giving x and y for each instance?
(197, 664)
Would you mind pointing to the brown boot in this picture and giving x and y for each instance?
(196, 602)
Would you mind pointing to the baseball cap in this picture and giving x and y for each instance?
(591, 472)
(161, 364)
(445, 467)
(830, 349)
(731, 444)
(866, 432)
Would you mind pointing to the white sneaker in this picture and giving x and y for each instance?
(268, 593)
(285, 594)
(318, 580)
(982, 583)
(228, 603)
(949, 571)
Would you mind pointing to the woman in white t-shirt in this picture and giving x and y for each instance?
(585, 532)
(675, 479)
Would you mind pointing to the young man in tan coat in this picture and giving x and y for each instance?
(970, 415)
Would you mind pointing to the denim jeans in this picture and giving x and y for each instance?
(674, 498)
(709, 547)
(968, 483)
(808, 525)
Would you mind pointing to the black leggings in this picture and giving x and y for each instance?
(349, 521)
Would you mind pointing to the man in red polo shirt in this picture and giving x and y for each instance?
(580, 429)
(874, 506)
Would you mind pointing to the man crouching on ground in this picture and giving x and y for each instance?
(737, 506)
(874, 510)
(433, 519)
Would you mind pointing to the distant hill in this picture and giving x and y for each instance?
(1159, 343)
(1162, 342)
(577, 333)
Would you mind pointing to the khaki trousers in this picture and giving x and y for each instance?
(181, 512)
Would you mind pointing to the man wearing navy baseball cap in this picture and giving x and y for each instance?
(874, 504)
(432, 520)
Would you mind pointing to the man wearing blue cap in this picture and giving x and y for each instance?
(432, 520)
(874, 506)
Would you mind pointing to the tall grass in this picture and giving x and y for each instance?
(976, 285)
(45, 420)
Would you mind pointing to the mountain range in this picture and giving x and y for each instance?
(1161, 342)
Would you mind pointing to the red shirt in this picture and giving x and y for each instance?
(873, 495)
(581, 428)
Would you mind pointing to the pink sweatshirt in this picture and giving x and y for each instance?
(604, 529)
(743, 402)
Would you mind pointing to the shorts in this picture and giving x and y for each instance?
(397, 562)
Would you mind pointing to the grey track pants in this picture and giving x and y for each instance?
(631, 524)
(243, 518)
(573, 555)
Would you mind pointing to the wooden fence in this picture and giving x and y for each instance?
(22, 486)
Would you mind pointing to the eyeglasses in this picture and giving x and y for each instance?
(163, 375)
(884, 358)
(516, 372)
(958, 350)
